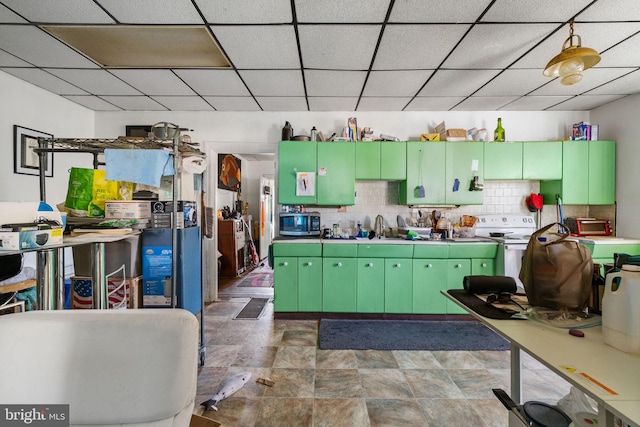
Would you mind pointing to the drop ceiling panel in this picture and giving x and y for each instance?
(313, 11)
(456, 82)
(482, 103)
(334, 83)
(93, 103)
(68, 11)
(282, 103)
(614, 10)
(38, 48)
(514, 82)
(245, 11)
(395, 83)
(383, 104)
(233, 103)
(338, 47)
(274, 83)
(619, 55)
(591, 78)
(134, 103)
(332, 103)
(416, 46)
(154, 82)
(259, 46)
(96, 82)
(534, 103)
(214, 82)
(598, 36)
(45, 80)
(6, 16)
(152, 11)
(437, 11)
(183, 103)
(585, 102)
(496, 45)
(625, 85)
(434, 103)
(534, 11)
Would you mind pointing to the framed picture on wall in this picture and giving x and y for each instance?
(25, 160)
(229, 167)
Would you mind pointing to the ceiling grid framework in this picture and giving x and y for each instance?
(331, 55)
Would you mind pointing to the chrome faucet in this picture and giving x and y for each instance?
(379, 226)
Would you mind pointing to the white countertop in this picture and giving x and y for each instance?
(383, 240)
(605, 240)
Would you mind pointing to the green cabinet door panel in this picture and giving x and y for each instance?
(285, 284)
(541, 160)
(339, 285)
(336, 174)
(297, 249)
(293, 157)
(425, 168)
(368, 160)
(503, 160)
(339, 250)
(461, 160)
(602, 172)
(377, 250)
(429, 277)
(393, 161)
(483, 267)
(370, 287)
(310, 284)
(456, 270)
(398, 289)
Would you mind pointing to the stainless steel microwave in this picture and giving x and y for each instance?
(300, 224)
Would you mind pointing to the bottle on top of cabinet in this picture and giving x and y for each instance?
(498, 134)
(287, 132)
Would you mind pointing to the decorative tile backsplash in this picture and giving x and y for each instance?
(381, 198)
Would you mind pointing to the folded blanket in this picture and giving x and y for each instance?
(139, 166)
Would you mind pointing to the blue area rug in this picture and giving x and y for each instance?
(337, 334)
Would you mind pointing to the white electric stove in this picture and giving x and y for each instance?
(516, 229)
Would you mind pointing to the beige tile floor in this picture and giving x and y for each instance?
(334, 388)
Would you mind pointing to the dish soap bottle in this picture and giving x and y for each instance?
(498, 134)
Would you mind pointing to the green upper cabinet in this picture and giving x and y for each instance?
(381, 160)
(464, 160)
(336, 173)
(294, 157)
(503, 160)
(588, 174)
(426, 168)
(541, 160)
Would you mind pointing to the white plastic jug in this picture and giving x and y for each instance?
(621, 310)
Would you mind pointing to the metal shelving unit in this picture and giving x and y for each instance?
(165, 136)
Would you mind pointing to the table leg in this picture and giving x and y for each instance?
(50, 279)
(516, 369)
(98, 276)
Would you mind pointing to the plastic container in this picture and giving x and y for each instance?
(620, 314)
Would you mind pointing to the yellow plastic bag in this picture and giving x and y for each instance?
(89, 189)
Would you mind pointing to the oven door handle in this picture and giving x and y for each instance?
(515, 246)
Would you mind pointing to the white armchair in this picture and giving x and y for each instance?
(113, 367)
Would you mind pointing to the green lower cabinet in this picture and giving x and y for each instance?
(310, 284)
(339, 285)
(285, 284)
(370, 287)
(429, 276)
(398, 290)
(483, 267)
(456, 270)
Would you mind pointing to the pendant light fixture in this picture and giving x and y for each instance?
(572, 61)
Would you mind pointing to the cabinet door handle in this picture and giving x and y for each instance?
(458, 265)
(398, 265)
(339, 264)
(370, 264)
(429, 265)
(285, 263)
(309, 263)
(484, 265)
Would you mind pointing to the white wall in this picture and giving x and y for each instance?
(28, 106)
(619, 122)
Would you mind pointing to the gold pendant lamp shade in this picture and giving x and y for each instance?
(572, 61)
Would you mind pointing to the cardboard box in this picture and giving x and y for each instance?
(162, 212)
(127, 209)
(82, 292)
(157, 269)
(125, 251)
(200, 421)
(30, 239)
(430, 137)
